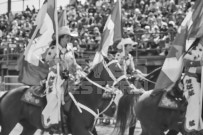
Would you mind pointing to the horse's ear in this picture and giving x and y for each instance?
(98, 70)
(106, 60)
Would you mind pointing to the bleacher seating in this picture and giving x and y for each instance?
(11, 82)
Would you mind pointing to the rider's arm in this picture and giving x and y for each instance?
(132, 64)
(190, 63)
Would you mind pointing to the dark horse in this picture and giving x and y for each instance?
(154, 120)
(147, 84)
(89, 94)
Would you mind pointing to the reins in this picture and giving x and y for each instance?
(148, 80)
(111, 89)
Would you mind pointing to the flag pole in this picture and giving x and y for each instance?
(57, 49)
(65, 12)
(56, 32)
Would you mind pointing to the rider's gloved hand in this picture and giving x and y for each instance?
(139, 75)
(65, 74)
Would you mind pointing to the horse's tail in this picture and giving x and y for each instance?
(125, 112)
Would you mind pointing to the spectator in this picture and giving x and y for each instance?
(27, 8)
(153, 7)
(153, 21)
(33, 9)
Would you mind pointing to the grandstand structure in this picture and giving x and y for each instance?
(149, 54)
(9, 72)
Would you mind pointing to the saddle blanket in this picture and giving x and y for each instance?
(166, 102)
(29, 98)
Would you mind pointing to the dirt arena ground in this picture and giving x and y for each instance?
(101, 130)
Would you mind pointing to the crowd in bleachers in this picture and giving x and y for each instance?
(151, 23)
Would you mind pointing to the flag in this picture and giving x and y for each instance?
(32, 69)
(10, 20)
(111, 33)
(71, 2)
(62, 19)
(10, 17)
(82, 1)
(173, 64)
(188, 33)
(196, 28)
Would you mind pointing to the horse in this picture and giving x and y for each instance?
(81, 114)
(107, 107)
(153, 119)
(150, 80)
(152, 76)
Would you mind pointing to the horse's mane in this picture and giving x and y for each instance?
(175, 91)
(178, 92)
(90, 73)
(91, 70)
(93, 67)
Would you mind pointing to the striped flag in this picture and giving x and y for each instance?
(10, 17)
(195, 30)
(10, 20)
(188, 33)
(31, 66)
(173, 64)
(111, 33)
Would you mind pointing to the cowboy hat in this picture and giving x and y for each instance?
(65, 30)
(126, 41)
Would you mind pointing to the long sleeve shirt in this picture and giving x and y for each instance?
(126, 62)
(192, 60)
(66, 56)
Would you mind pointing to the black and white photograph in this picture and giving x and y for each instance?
(101, 67)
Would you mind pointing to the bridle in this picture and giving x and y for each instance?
(115, 80)
(110, 89)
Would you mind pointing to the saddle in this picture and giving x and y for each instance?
(31, 98)
(39, 91)
(35, 96)
(168, 102)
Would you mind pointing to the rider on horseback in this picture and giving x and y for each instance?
(54, 83)
(192, 86)
(66, 60)
(127, 62)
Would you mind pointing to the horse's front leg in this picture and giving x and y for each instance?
(132, 130)
(172, 132)
(81, 131)
(155, 131)
(94, 131)
(28, 129)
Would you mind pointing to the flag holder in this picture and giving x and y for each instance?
(57, 57)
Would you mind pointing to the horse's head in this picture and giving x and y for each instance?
(177, 94)
(109, 73)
